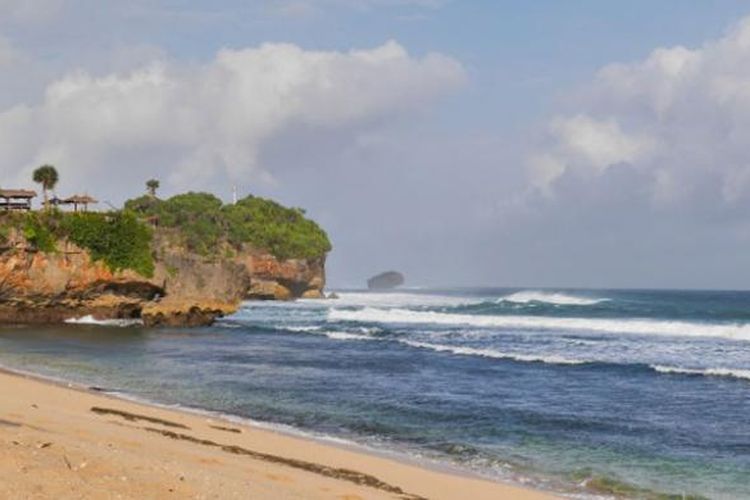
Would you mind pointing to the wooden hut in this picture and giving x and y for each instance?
(16, 199)
(80, 200)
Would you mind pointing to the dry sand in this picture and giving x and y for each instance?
(60, 442)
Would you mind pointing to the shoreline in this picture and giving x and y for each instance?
(72, 416)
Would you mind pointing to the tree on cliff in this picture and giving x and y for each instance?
(151, 186)
(46, 175)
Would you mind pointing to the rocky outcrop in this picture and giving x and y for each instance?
(37, 287)
(274, 279)
(386, 281)
(185, 290)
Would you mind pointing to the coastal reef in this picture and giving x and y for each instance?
(184, 261)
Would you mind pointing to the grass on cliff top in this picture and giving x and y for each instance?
(119, 239)
(205, 223)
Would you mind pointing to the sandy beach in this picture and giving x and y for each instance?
(64, 442)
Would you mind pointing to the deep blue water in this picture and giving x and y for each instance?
(651, 388)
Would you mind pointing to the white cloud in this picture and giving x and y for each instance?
(200, 122)
(680, 118)
(598, 143)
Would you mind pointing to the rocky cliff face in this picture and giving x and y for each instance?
(186, 289)
(273, 279)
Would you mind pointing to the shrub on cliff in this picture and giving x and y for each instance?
(204, 222)
(284, 232)
(118, 239)
(37, 231)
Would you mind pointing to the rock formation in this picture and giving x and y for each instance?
(274, 279)
(385, 281)
(186, 289)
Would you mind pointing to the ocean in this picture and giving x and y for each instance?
(576, 391)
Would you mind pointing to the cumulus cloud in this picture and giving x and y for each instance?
(680, 119)
(196, 123)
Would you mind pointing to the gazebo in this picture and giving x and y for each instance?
(16, 199)
(76, 200)
(83, 200)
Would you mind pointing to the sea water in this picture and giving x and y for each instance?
(644, 390)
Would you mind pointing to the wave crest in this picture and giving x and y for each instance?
(555, 298)
(492, 353)
(707, 372)
(91, 320)
(734, 331)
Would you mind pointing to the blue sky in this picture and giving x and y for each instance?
(465, 142)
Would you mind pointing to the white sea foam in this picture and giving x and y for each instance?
(492, 353)
(347, 336)
(306, 329)
(708, 372)
(734, 331)
(90, 320)
(556, 298)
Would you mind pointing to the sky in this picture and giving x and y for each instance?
(462, 142)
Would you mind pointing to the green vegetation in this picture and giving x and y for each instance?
(38, 232)
(119, 239)
(46, 175)
(151, 186)
(285, 232)
(207, 225)
(198, 221)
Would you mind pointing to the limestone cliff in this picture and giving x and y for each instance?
(186, 289)
(274, 279)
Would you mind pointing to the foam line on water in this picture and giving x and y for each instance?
(555, 298)
(90, 320)
(707, 372)
(492, 353)
(734, 331)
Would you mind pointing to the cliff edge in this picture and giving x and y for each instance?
(172, 264)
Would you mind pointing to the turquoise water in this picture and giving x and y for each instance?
(647, 388)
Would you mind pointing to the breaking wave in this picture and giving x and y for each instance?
(492, 353)
(555, 298)
(90, 320)
(707, 372)
(734, 331)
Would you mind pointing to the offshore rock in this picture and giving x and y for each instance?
(386, 281)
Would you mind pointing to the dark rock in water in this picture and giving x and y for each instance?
(333, 295)
(385, 281)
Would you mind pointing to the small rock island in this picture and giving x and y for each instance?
(183, 261)
(386, 281)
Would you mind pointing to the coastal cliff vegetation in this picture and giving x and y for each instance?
(206, 225)
(201, 222)
(117, 238)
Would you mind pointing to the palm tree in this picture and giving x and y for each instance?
(152, 185)
(46, 175)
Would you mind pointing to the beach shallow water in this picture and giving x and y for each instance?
(647, 390)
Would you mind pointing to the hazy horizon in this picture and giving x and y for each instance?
(463, 143)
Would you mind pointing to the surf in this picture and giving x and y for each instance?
(706, 372)
(732, 331)
(554, 298)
